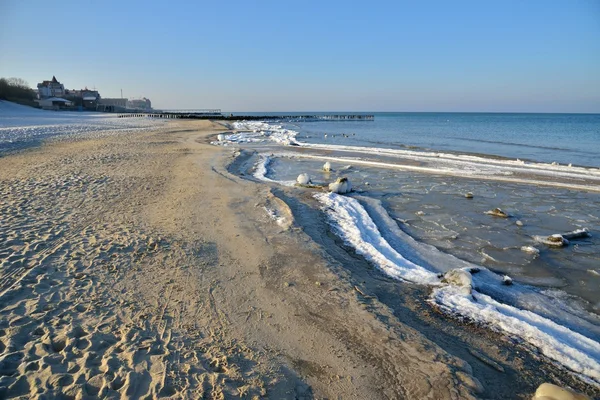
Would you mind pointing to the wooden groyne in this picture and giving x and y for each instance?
(220, 117)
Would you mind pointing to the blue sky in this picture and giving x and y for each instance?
(524, 56)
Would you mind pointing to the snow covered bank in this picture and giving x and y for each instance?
(21, 124)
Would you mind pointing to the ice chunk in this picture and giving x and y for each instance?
(340, 186)
(327, 167)
(576, 234)
(548, 391)
(303, 179)
(461, 278)
(530, 249)
(497, 212)
(555, 240)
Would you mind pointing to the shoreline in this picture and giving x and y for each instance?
(162, 274)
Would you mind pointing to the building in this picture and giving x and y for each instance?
(140, 104)
(112, 105)
(51, 88)
(117, 102)
(83, 93)
(54, 103)
(124, 105)
(84, 98)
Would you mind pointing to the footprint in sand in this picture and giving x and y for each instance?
(20, 321)
(32, 366)
(94, 385)
(20, 387)
(60, 380)
(10, 362)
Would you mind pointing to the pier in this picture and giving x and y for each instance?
(216, 115)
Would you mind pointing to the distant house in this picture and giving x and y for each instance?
(51, 88)
(112, 104)
(140, 104)
(84, 98)
(90, 98)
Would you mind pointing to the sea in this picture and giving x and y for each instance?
(424, 190)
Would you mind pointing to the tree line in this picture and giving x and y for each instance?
(17, 90)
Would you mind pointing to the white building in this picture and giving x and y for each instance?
(140, 104)
(51, 88)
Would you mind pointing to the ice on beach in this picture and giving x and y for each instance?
(548, 391)
(571, 349)
(341, 186)
(262, 168)
(327, 167)
(530, 250)
(364, 224)
(281, 221)
(431, 162)
(562, 239)
(555, 240)
(471, 166)
(576, 234)
(303, 179)
(255, 131)
(357, 229)
(560, 331)
(461, 278)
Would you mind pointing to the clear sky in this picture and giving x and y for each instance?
(530, 56)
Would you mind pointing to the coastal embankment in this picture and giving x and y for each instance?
(144, 264)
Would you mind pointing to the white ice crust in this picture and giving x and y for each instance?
(562, 333)
(259, 132)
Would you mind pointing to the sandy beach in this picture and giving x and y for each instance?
(139, 266)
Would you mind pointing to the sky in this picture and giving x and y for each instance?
(479, 56)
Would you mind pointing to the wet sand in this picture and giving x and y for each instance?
(139, 266)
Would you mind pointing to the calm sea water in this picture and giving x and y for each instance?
(562, 138)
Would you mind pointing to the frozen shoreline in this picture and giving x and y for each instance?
(558, 342)
(563, 348)
(143, 248)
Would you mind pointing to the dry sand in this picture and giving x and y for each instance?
(137, 266)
